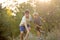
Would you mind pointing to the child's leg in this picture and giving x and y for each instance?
(21, 35)
(21, 32)
(38, 32)
(26, 37)
(27, 34)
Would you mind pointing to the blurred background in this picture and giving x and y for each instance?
(11, 12)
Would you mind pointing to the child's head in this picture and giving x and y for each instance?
(35, 15)
(27, 13)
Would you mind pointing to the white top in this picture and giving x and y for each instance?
(25, 20)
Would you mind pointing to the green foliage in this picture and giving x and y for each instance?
(9, 25)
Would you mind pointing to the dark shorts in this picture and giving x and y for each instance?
(22, 28)
(37, 28)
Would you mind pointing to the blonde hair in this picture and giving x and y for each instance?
(35, 13)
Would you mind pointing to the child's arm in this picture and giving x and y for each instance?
(26, 26)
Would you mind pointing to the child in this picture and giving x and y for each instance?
(37, 22)
(25, 25)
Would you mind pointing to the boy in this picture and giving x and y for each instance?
(37, 22)
(25, 25)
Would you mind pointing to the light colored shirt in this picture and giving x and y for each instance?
(25, 20)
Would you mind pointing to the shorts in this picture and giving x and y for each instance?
(22, 28)
(37, 28)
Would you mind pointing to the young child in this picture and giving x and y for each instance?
(25, 25)
(37, 22)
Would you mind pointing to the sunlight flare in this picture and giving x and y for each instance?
(45, 1)
(12, 4)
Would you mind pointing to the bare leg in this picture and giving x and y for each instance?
(26, 37)
(38, 35)
(21, 36)
(27, 34)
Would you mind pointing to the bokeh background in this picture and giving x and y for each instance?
(11, 12)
